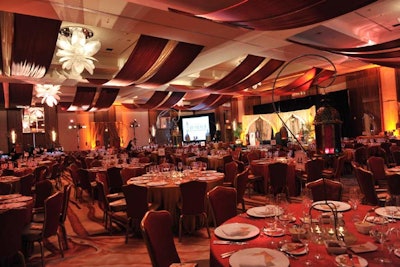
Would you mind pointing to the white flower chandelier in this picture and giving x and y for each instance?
(49, 93)
(75, 52)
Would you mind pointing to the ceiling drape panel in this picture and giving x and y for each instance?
(130, 105)
(223, 99)
(270, 67)
(174, 98)
(239, 73)
(2, 101)
(34, 44)
(83, 97)
(143, 56)
(156, 99)
(20, 94)
(6, 34)
(385, 54)
(302, 83)
(178, 61)
(208, 101)
(106, 98)
(282, 15)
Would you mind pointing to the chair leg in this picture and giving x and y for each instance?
(180, 228)
(128, 226)
(64, 235)
(41, 253)
(206, 220)
(60, 245)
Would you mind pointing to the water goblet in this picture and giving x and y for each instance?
(304, 238)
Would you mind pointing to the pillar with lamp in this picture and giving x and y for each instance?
(77, 126)
(134, 124)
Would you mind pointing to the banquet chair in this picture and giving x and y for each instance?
(360, 155)
(5, 188)
(313, 170)
(225, 159)
(43, 190)
(366, 181)
(396, 157)
(114, 180)
(39, 232)
(335, 173)
(7, 172)
(12, 223)
(63, 216)
(393, 182)
(127, 173)
(193, 200)
(83, 184)
(377, 166)
(136, 206)
(95, 163)
(277, 178)
(325, 189)
(240, 184)
(40, 173)
(25, 185)
(157, 233)
(223, 203)
(231, 170)
(252, 155)
(111, 213)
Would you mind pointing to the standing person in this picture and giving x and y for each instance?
(129, 146)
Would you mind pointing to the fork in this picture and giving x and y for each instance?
(227, 254)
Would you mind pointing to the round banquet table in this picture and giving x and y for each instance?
(264, 241)
(17, 201)
(13, 180)
(167, 194)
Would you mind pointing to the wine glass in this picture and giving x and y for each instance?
(180, 166)
(380, 234)
(354, 197)
(316, 235)
(304, 238)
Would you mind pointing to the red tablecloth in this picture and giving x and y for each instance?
(327, 260)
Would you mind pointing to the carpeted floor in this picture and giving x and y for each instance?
(91, 245)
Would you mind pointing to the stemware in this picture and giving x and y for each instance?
(354, 197)
(180, 166)
(380, 234)
(304, 238)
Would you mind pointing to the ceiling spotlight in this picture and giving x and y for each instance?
(75, 52)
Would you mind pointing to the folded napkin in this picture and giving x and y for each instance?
(240, 231)
(345, 260)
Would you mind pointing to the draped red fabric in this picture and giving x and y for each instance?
(2, 102)
(34, 40)
(302, 83)
(210, 99)
(174, 98)
(97, 81)
(182, 55)
(84, 97)
(130, 105)
(385, 54)
(155, 100)
(270, 67)
(239, 73)
(282, 15)
(322, 76)
(144, 55)
(20, 94)
(64, 105)
(106, 98)
(223, 99)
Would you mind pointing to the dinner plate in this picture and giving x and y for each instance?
(17, 199)
(155, 183)
(397, 252)
(206, 178)
(357, 261)
(236, 231)
(385, 211)
(209, 171)
(394, 169)
(340, 206)
(264, 211)
(274, 232)
(258, 257)
(294, 248)
(364, 247)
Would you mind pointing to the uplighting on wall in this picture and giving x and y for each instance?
(13, 136)
(53, 136)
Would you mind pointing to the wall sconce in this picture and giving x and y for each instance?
(134, 124)
(217, 127)
(53, 136)
(153, 131)
(234, 125)
(13, 137)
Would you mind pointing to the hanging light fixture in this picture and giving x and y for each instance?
(49, 93)
(75, 52)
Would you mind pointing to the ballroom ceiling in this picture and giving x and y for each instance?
(202, 53)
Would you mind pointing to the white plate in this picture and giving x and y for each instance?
(9, 196)
(264, 211)
(382, 211)
(276, 232)
(258, 257)
(344, 261)
(397, 252)
(160, 183)
(365, 247)
(294, 248)
(340, 206)
(236, 231)
(207, 178)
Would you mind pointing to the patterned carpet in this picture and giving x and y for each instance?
(91, 245)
